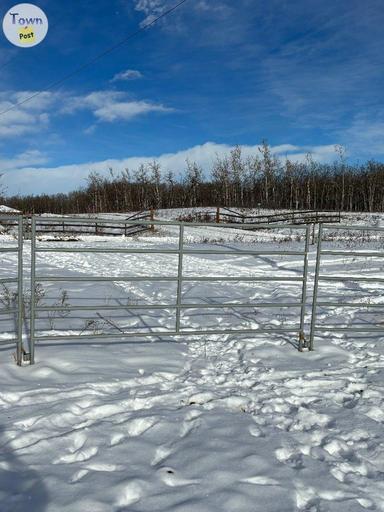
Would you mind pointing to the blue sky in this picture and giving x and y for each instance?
(303, 74)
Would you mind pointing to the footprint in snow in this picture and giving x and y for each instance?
(138, 426)
(161, 454)
(260, 480)
(256, 431)
(189, 427)
(107, 468)
(79, 456)
(76, 477)
(290, 457)
(116, 438)
(129, 494)
(170, 478)
(78, 440)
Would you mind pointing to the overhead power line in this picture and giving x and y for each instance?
(95, 59)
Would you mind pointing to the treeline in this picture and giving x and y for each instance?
(237, 181)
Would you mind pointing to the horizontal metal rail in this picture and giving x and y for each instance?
(98, 223)
(81, 279)
(352, 227)
(361, 279)
(349, 329)
(106, 250)
(8, 341)
(118, 307)
(8, 311)
(186, 252)
(167, 333)
(8, 249)
(350, 304)
(371, 254)
(100, 231)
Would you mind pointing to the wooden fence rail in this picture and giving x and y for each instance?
(103, 227)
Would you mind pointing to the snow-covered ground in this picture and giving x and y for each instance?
(233, 423)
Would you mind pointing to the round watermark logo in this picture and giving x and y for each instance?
(25, 25)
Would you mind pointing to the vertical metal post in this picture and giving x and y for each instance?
(316, 287)
(20, 298)
(33, 290)
(179, 277)
(304, 288)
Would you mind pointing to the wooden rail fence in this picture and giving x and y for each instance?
(101, 227)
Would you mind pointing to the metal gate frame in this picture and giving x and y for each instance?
(180, 279)
(18, 308)
(315, 328)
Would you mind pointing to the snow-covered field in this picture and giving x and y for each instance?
(233, 423)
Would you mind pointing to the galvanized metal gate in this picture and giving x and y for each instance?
(11, 312)
(178, 306)
(317, 328)
(16, 303)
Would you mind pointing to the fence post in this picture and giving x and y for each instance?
(315, 288)
(218, 215)
(179, 277)
(20, 298)
(313, 234)
(26, 227)
(33, 290)
(304, 288)
(152, 217)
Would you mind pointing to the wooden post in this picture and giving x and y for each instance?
(152, 217)
(96, 230)
(313, 233)
(218, 215)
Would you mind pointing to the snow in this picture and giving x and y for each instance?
(213, 423)
(8, 209)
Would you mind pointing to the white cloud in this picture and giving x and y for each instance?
(151, 9)
(129, 74)
(112, 106)
(27, 158)
(35, 114)
(32, 179)
(27, 118)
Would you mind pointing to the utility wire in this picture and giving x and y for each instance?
(95, 59)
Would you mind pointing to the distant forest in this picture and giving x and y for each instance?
(261, 180)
